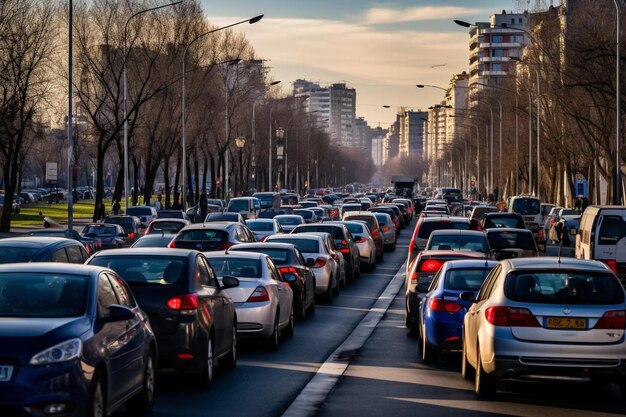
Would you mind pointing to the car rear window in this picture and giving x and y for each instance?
(289, 221)
(460, 242)
(44, 295)
(465, 279)
(279, 256)
(382, 219)
(503, 221)
(509, 240)
(145, 270)
(563, 287)
(369, 219)
(236, 267)
(260, 226)
(426, 228)
(139, 211)
(220, 217)
(165, 226)
(99, 231)
(526, 206)
(334, 231)
(201, 235)
(355, 229)
(303, 245)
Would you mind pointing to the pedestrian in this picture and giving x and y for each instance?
(158, 205)
(101, 212)
(115, 209)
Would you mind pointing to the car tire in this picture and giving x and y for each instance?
(207, 374)
(485, 385)
(97, 400)
(274, 340)
(290, 329)
(230, 360)
(302, 306)
(427, 352)
(467, 372)
(142, 402)
(408, 320)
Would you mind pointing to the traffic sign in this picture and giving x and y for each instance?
(51, 171)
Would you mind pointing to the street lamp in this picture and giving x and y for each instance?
(184, 99)
(126, 92)
(280, 150)
(618, 131)
(240, 141)
(431, 86)
(269, 184)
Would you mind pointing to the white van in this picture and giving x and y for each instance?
(602, 237)
(530, 209)
(248, 207)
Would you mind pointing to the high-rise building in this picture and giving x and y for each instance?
(377, 150)
(342, 114)
(411, 134)
(318, 102)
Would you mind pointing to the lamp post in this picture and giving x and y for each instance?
(240, 141)
(617, 200)
(126, 91)
(184, 97)
(280, 149)
(269, 184)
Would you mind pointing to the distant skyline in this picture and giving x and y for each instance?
(381, 48)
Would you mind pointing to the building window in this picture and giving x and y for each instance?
(496, 39)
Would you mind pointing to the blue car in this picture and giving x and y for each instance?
(73, 342)
(441, 310)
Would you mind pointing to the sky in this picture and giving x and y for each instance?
(381, 48)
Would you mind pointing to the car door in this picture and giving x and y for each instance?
(207, 294)
(285, 299)
(135, 335)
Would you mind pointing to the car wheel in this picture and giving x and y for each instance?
(484, 385)
(289, 330)
(467, 372)
(207, 375)
(97, 405)
(274, 339)
(142, 402)
(230, 361)
(428, 353)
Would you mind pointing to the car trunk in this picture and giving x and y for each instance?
(241, 293)
(153, 300)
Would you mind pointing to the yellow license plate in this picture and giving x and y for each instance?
(566, 323)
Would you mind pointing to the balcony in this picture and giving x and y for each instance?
(504, 45)
(493, 73)
(494, 59)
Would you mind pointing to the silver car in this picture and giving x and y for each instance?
(388, 229)
(263, 301)
(545, 317)
(319, 258)
(262, 228)
(367, 248)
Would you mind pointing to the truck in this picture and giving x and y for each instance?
(404, 185)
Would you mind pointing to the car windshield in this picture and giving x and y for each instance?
(165, 226)
(303, 245)
(510, 240)
(236, 267)
(145, 269)
(279, 256)
(563, 287)
(139, 211)
(18, 254)
(289, 221)
(257, 226)
(42, 295)
(458, 241)
(99, 230)
(196, 235)
(426, 228)
(465, 279)
(526, 206)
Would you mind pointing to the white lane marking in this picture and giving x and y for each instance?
(312, 396)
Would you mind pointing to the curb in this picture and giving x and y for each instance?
(313, 395)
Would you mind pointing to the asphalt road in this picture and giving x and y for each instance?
(265, 383)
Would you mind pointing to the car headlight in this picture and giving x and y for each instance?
(63, 352)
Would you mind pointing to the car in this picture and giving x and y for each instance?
(511, 243)
(91, 245)
(545, 317)
(394, 217)
(530, 209)
(172, 214)
(214, 236)
(248, 207)
(319, 258)
(268, 200)
(194, 321)
(566, 226)
(442, 312)
(289, 221)
(308, 215)
(343, 241)
(421, 273)
(109, 236)
(308, 204)
(161, 240)
(130, 224)
(423, 229)
(224, 217)
(347, 207)
(74, 342)
(478, 213)
(388, 230)
(262, 228)
(264, 301)
(461, 240)
(166, 225)
(396, 211)
(498, 220)
(295, 272)
(145, 214)
(41, 249)
(364, 242)
(410, 206)
(374, 226)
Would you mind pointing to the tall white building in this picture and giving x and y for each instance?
(378, 150)
(318, 102)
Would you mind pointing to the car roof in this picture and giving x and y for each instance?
(32, 242)
(170, 252)
(210, 226)
(502, 214)
(550, 262)
(457, 232)
(305, 236)
(445, 218)
(507, 229)
(444, 253)
(262, 245)
(52, 267)
(470, 263)
(237, 254)
(169, 219)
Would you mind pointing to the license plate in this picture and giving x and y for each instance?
(5, 372)
(575, 323)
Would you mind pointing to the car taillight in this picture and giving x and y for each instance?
(613, 265)
(319, 262)
(186, 304)
(375, 234)
(343, 243)
(431, 265)
(288, 270)
(260, 294)
(172, 244)
(345, 250)
(385, 229)
(437, 304)
(414, 277)
(131, 235)
(226, 245)
(615, 319)
(510, 317)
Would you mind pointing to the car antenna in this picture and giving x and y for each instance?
(560, 247)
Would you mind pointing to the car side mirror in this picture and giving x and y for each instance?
(468, 297)
(229, 282)
(118, 313)
(310, 262)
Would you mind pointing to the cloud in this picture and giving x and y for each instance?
(385, 15)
